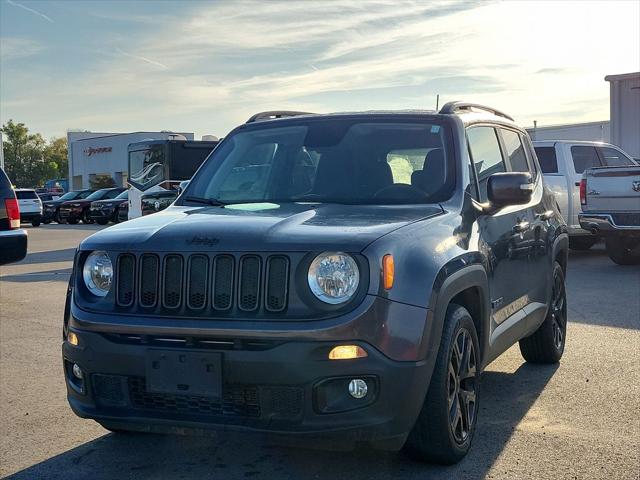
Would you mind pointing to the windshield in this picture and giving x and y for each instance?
(123, 195)
(146, 167)
(339, 160)
(69, 196)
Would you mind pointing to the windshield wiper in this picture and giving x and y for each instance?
(207, 201)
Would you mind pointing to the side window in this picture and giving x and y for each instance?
(547, 158)
(487, 158)
(584, 157)
(516, 156)
(614, 158)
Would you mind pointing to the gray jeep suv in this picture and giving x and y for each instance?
(343, 277)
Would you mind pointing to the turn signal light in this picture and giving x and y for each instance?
(347, 352)
(387, 271)
(72, 338)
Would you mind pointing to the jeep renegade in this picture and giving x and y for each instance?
(335, 276)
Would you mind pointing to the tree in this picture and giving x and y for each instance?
(29, 160)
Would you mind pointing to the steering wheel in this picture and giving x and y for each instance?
(400, 191)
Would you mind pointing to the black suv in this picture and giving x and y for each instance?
(344, 277)
(51, 208)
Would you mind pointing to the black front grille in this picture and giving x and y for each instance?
(249, 294)
(626, 219)
(203, 285)
(148, 280)
(238, 400)
(126, 279)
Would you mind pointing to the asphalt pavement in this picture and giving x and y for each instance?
(579, 419)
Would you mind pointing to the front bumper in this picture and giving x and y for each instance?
(606, 223)
(67, 214)
(271, 382)
(101, 213)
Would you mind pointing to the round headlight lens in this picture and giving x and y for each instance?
(334, 277)
(98, 273)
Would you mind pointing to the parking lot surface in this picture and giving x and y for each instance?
(576, 420)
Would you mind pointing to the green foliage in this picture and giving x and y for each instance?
(102, 181)
(29, 160)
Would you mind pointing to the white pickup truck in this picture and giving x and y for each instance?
(563, 162)
(610, 200)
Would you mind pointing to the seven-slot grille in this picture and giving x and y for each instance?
(202, 283)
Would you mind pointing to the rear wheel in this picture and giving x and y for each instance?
(546, 345)
(446, 424)
(623, 251)
(582, 243)
(35, 222)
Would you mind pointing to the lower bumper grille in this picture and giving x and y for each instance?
(626, 219)
(238, 401)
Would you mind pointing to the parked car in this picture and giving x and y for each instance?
(105, 211)
(563, 162)
(47, 196)
(13, 240)
(157, 201)
(73, 211)
(341, 277)
(51, 208)
(123, 212)
(30, 206)
(610, 200)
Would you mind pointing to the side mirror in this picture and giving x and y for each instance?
(13, 246)
(182, 186)
(509, 188)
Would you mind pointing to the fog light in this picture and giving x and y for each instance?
(77, 372)
(358, 388)
(346, 352)
(72, 338)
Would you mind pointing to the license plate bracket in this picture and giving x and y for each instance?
(181, 372)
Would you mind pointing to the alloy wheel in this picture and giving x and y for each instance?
(462, 386)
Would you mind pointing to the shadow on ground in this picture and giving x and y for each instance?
(506, 398)
(58, 275)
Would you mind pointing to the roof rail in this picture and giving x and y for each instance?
(275, 114)
(453, 107)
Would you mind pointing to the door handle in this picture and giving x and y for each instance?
(545, 215)
(521, 227)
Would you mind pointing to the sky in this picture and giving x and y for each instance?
(205, 67)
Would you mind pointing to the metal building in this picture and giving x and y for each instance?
(93, 154)
(624, 104)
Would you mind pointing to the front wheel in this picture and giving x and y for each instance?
(86, 219)
(102, 221)
(546, 345)
(446, 424)
(623, 251)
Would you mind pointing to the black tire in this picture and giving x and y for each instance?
(46, 222)
(102, 221)
(546, 345)
(36, 222)
(57, 218)
(582, 243)
(72, 221)
(623, 251)
(435, 438)
(86, 219)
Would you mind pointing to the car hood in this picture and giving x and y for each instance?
(113, 200)
(260, 227)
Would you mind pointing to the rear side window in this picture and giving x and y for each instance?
(487, 158)
(614, 158)
(547, 159)
(515, 151)
(584, 157)
(26, 194)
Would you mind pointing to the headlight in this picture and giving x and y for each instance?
(98, 273)
(334, 277)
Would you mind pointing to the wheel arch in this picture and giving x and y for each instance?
(467, 286)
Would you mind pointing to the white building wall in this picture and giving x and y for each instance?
(94, 154)
(624, 104)
(591, 131)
